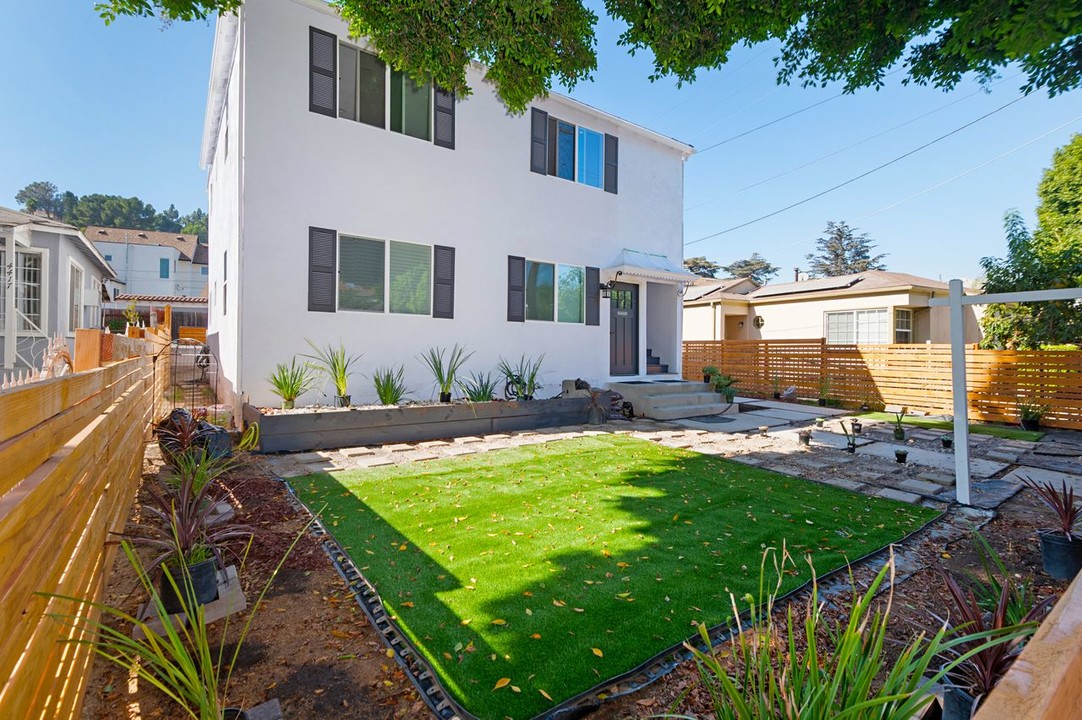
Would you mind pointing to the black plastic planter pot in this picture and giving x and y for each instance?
(234, 714)
(1032, 425)
(595, 416)
(706, 379)
(948, 443)
(850, 449)
(957, 704)
(822, 402)
(445, 397)
(857, 427)
(900, 456)
(204, 587)
(1062, 557)
(899, 435)
(777, 396)
(341, 400)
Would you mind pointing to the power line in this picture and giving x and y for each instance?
(706, 86)
(858, 177)
(844, 149)
(971, 170)
(775, 121)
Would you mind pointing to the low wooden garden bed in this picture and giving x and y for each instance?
(348, 427)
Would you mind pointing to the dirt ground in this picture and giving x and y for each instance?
(313, 649)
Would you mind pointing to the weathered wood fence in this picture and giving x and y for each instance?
(71, 453)
(916, 376)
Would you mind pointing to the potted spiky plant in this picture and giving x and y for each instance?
(479, 387)
(1061, 547)
(1030, 414)
(334, 364)
(899, 428)
(723, 385)
(850, 438)
(824, 390)
(389, 384)
(708, 372)
(595, 411)
(290, 382)
(522, 379)
(445, 372)
(775, 386)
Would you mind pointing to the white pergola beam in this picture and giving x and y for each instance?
(956, 299)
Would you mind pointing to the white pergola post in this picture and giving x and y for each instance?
(956, 300)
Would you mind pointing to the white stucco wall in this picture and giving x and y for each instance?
(303, 169)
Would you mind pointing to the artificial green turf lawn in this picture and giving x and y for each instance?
(518, 563)
(1004, 432)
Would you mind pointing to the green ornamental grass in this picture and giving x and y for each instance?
(528, 575)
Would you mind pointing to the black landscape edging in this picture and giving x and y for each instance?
(439, 700)
(337, 428)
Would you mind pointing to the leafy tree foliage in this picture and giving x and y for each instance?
(755, 267)
(701, 266)
(1049, 257)
(528, 43)
(108, 210)
(843, 252)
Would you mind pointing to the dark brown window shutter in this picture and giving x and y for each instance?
(516, 289)
(539, 120)
(322, 265)
(322, 72)
(593, 296)
(443, 282)
(443, 120)
(612, 162)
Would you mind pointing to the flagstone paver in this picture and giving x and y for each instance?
(921, 487)
(899, 495)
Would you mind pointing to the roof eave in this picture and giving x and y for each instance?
(225, 43)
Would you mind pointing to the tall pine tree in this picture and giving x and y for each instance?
(843, 252)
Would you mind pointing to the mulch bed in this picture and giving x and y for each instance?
(313, 649)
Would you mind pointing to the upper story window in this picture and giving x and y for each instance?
(203, 270)
(580, 154)
(163, 268)
(346, 82)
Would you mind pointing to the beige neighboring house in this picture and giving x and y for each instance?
(872, 307)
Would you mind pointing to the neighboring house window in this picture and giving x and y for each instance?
(28, 291)
(75, 297)
(108, 258)
(203, 270)
(362, 86)
(573, 153)
(411, 106)
(555, 292)
(3, 286)
(859, 327)
(163, 268)
(375, 276)
(903, 326)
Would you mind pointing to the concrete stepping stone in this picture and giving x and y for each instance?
(1042, 475)
(398, 447)
(921, 487)
(374, 462)
(844, 483)
(497, 436)
(351, 452)
(747, 460)
(467, 439)
(899, 495)
(309, 457)
(433, 444)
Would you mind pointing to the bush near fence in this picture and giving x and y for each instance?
(915, 376)
(71, 449)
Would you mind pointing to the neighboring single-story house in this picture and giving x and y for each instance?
(148, 262)
(56, 284)
(351, 205)
(872, 307)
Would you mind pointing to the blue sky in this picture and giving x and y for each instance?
(119, 110)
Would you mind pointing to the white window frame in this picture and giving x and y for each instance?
(555, 292)
(43, 253)
(855, 319)
(386, 242)
(898, 314)
(76, 322)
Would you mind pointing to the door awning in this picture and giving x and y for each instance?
(652, 266)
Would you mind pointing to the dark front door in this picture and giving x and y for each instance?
(624, 330)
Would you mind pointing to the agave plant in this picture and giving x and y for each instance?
(290, 381)
(334, 364)
(445, 372)
(1061, 502)
(479, 387)
(390, 387)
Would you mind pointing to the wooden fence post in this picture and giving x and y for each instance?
(87, 349)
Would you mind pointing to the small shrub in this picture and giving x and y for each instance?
(334, 364)
(479, 387)
(290, 381)
(390, 387)
(445, 372)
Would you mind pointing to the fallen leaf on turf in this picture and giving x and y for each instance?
(515, 688)
(499, 621)
(467, 621)
(502, 682)
(558, 603)
(536, 636)
(622, 565)
(390, 652)
(528, 593)
(597, 651)
(545, 694)
(529, 611)
(407, 604)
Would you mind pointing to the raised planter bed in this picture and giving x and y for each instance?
(336, 428)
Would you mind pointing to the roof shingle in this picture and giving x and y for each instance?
(188, 245)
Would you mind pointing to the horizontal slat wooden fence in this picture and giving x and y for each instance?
(71, 449)
(915, 376)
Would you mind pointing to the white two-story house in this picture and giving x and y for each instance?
(349, 204)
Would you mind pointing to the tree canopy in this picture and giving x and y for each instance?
(527, 44)
(701, 266)
(842, 252)
(755, 267)
(1049, 257)
(107, 210)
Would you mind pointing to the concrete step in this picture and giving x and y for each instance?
(657, 369)
(678, 412)
(628, 389)
(674, 399)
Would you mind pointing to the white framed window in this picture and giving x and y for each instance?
(384, 276)
(362, 86)
(3, 285)
(859, 327)
(29, 282)
(555, 292)
(411, 106)
(75, 296)
(903, 325)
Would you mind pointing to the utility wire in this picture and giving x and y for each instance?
(971, 170)
(709, 84)
(858, 143)
(865, 174)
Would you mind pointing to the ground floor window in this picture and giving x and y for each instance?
(376, 276)
(555, 292)
(28, 291)
(75, 297)
(903, 326)
(859, 327)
